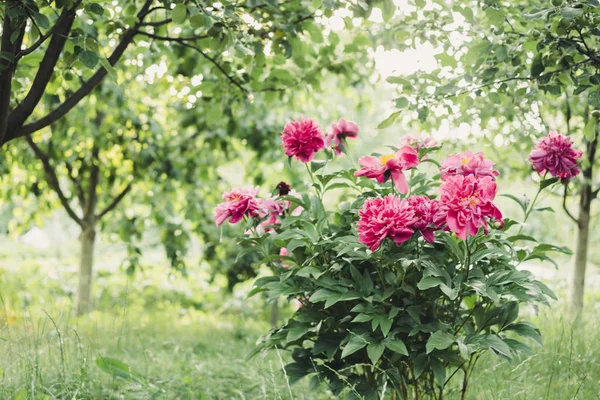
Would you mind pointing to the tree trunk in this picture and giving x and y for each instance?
(583, 231)
(581, 251)
(86, 263)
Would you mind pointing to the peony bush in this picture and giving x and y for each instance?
(405, 284)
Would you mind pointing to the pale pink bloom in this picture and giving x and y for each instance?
(390, 166)
(555, 154)
(388, 217)
(238, 202)
(468, 163)
(302, 139)
(418, 142)
(339, 133)
(427, 216)
(467, 202)
(283, 252)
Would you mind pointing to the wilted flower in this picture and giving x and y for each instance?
(238, 202)
(467, 202)
(388, 217)
(418, 142)
(468, 163)
(283, 188)
(302, 139)
(555, 154)
(339, 133)
(427, 216)
(390, 165)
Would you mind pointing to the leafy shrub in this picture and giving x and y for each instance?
(401, 317)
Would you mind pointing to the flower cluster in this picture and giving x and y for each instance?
(302, 139)
(468, 163)
(466, 201)
(555, 154)
(240, 203)
(418, 142)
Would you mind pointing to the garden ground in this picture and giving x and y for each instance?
(177, 338)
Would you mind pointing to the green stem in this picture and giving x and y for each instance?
(530, 208)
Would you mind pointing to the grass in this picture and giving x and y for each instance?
(157, 338)
(128, 354)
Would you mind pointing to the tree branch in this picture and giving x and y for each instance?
(46, 69)
(564, 205)
(86, 88)
(115, 202)
(52, 180)
(7, 67)
(77, 184)
(206, 56)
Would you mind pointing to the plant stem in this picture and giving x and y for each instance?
(530, 209)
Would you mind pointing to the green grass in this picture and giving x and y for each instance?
(160, 337)
(193, 355)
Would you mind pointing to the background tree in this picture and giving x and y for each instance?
(64, 49)
(512, 71)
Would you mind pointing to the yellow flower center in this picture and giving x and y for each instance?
(385, 158)
(236, 198)
(465, 160)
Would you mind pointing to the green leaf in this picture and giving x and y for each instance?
(397, 346)
(520, 202)
(427, 282)
(116, 368)
(589, 132)
(389, 9)
(389, 120)
(526, 329)
(547, 182)
(42, 21)
(401, 102)
(95, 8)
(439, 340)
(89, 58)
(594, 98)
(375, 351)
(179, 13)
(201, 21)
(495, 343)
(296, 333)
(537, 66)
(571, 12)
(354, 344)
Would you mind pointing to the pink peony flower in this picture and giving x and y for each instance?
(467, 202)
(390, 165)
(427, 216)
(271, 209)
(555, 154)
(388, 217)
(468, 163)
(302, 139)
(418, 142)
(283, 252)
(238, 202)
(339, 133)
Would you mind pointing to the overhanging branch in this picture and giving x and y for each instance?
(86, 88)
(115, 202)
(52, 180)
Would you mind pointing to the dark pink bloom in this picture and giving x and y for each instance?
(555, 154)
(467, 202)
(390, 165)
(238, 202)
(468, 163)
(388, 217)
(339, 133)
(418, 142)
(302, 139)
(427, 216)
